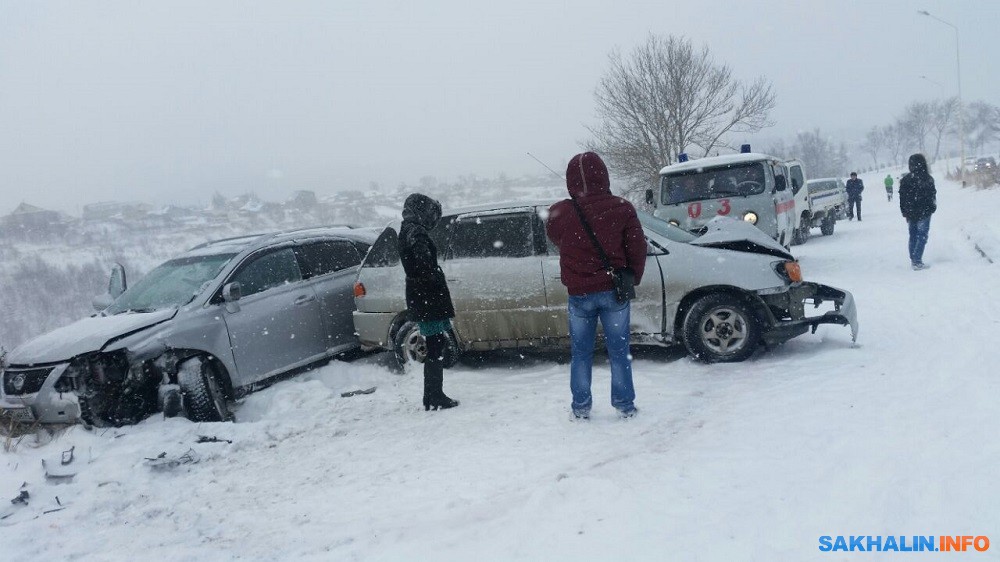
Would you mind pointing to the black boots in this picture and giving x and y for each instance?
(434, 397)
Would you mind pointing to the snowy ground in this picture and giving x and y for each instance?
(752, 461)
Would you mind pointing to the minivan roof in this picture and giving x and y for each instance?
(716, 161)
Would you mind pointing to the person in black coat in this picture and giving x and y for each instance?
(854, 188)
(428, 301)
(917, 202)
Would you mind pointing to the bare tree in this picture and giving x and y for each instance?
(818, 154)
(982, 125)
(895, 139)
(942, 117)
(916, 121)
(665, 98)
(874, 142)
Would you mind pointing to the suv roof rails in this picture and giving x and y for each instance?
(247, 237)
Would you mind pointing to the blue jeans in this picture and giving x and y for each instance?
(919, 231)
(583, 314)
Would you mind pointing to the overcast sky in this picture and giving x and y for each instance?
(171, 101)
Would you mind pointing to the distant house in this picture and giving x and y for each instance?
(110, 210)
(28, 221)
(303, 200)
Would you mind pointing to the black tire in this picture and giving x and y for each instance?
(827, 227)
(801, 234)
(721, 328)
(408, 346)
(204, 399)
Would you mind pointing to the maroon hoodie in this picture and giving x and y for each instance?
(614, 222)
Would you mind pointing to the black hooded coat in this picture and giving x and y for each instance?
(917, 194)
(427, 295)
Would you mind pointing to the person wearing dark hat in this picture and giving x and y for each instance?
(917, 202)
(428, 301)
(590, 285)
(854, 188)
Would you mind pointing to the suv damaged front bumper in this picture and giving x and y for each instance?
(787, 311)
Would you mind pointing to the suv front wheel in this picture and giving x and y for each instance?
(721, 328)
(204, 399)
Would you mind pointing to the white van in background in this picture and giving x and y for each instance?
(746, 186)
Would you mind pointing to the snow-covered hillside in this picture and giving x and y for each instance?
(754, 461)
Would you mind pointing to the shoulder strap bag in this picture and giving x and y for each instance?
(623, 278)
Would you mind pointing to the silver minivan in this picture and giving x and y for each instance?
(721, 294)
(212, 324)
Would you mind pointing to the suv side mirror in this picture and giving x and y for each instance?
(117, 284)
(101, 302)
(650, 198)
(232, 292)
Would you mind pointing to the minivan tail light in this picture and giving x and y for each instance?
(359, 289)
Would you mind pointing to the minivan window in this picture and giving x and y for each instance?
(320, 258)
(267, 271)
(172, 283)
(492, 236)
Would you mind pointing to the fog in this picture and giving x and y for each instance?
(171, 101)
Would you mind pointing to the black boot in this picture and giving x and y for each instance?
(434, 397)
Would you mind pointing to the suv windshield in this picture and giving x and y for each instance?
(173, 283)
(735, 180)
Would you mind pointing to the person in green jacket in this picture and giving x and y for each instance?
(888, 186)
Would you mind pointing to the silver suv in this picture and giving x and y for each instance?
(218, 321)
(721, 294)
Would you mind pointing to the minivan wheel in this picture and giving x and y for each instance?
(204, 400)
(721, 328)
(409, 346)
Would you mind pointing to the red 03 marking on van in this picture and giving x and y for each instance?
(694, 210)
(784, 207)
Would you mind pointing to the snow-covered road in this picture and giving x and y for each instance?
(754, 461)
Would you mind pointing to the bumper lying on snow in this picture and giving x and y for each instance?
(844, 313)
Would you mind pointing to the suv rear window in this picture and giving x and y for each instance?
(320, 258)
(385, 251)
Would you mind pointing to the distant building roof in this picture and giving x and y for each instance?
(25, 208)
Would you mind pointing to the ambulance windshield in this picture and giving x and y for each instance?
(738, 180)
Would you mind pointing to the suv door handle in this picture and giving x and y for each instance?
(303, 299)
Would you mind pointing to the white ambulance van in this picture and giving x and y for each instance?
(753, 187)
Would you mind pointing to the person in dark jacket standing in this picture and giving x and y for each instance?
(917, 202)
(428, 301)
(590, 286)
(854, 188)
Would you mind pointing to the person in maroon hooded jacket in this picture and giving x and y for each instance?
(590, 286)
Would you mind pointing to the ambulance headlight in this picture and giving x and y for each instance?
(673, 222)
(750, 217)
